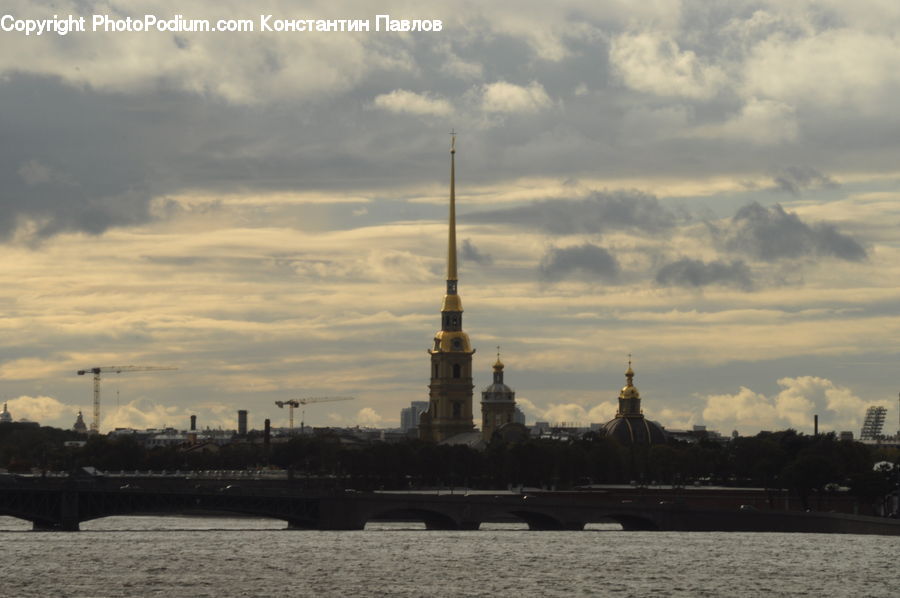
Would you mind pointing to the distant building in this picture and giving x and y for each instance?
(409, 416)
(873, 424)
(630, 426)
(80, 426)
(5, 416)
(519, 416)
(242, 422)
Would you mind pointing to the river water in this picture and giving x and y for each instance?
(215, 557)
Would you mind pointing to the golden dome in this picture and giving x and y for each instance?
(498, 365)
(452, 340)
(629, 392)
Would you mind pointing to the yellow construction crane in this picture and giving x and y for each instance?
(112, 369)
(293, 403)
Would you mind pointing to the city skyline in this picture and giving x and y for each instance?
(713, 190)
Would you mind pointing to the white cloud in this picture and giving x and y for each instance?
(41, 409)
(793, 407)
(760, 121)
(506, 97)
(369, 417)
(141, 414)
(571, 413)
(652, 62)
(839, 68)
(401, 100)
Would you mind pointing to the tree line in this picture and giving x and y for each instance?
(784, 459)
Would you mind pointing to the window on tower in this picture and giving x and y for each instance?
(457, 371)
(457, 409)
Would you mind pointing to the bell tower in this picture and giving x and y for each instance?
(498, 403)
(450, 391)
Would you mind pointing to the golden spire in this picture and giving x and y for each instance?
(451, 250)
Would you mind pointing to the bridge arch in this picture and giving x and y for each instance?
(432, 518)
(631, 522)
(542, 521)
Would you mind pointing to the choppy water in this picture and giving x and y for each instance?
(174, 556)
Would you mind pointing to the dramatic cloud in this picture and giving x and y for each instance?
(840, 67)
(793, 407)
(401, 100)
(268, 210)
(596, 214)
(653, 63)
(687, 272)
(584, 261)
(773, 233)
(472, 254)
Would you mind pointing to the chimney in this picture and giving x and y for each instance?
(816, 425)
(192, 434)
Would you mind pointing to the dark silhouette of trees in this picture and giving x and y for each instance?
(807, 465)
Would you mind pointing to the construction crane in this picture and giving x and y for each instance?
(294, 403)
(112, 369)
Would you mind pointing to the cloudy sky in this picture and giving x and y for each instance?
(710, 186)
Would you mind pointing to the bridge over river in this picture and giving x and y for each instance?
(62, 503)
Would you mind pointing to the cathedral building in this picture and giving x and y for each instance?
(498, 404)
(450, 391)
(630, 427)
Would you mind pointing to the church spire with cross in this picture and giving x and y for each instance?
(450, 391)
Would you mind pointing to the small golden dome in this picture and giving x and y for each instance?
(498, 365)
(629, 391)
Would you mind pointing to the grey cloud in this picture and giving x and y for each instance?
(688, 272)
(472, 254)
(773, 233)
(594, 261)
(795, 179)
(600, 212)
